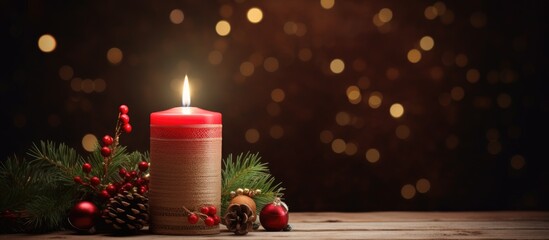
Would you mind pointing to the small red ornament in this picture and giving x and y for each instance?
(212, 210)
(204, 210)
(127, 128)
(111, 189)
(107, 140)
(105, 151)
(105, 194)
(274, 216)
(209, 221)
(94, 181)
(86, 167)
(83, 215)
(217, 219)
(142, 190)
(78, 180)
(124, 118)
(192, 218)
(123, 109)
(122, 172)
(143, 166)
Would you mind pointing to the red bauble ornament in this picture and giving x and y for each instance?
(274, 216)
(83, 215)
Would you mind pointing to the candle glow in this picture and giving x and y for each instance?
(186, 95)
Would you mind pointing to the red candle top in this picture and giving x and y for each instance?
(185, 116)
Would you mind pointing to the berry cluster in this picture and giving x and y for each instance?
(208, 214)
(123, 124)
(131, 180)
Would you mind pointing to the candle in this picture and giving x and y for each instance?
(185, 167)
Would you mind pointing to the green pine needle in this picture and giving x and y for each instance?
(247, 171)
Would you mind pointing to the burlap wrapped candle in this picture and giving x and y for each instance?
(185, 169)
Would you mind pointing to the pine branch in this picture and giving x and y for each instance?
(248, 172)
(58, 161)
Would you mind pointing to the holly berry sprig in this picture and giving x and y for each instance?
(110, 144)
(131, 180)
(208, 214)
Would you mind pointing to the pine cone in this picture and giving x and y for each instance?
(239, 219)
(127, 212)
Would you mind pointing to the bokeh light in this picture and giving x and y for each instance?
(408, 191)
(337, 66)
(223, 28)
(327, 4)
(89, 142)
(255, 15)
(176, 16)
(423, 185)
(396, 110)
(114, 55)
(47, 43)
(372, 155)
(66, 72)
(339, 145)
(252, 135)
(427, 43)
(414, 56)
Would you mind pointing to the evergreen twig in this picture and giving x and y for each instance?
(247, 171)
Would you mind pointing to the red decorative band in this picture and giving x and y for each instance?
(208, 131)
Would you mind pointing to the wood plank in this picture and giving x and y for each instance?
(378, 225)
(417, 216)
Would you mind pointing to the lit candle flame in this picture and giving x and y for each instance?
(186, 97)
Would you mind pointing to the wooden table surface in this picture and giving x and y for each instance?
(377, 225)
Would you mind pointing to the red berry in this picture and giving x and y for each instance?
(127, 128)
(124, 118)
(204, 210)
(104, 194)
(133, 174)
(78, 180)
(142, 190)
(86, 167)
(128, 177)
(128, 186)
(192, 218)
(217, 219)
(212, 210)
(122, 172)
(209, 221)
(143, 166)
(111, 189)
(123, 109)
(139, 182)
(105, 151)
(107, 140)
(95, 181)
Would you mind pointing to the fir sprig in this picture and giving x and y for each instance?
(247, 171)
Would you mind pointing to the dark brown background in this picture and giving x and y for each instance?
(465, 147)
